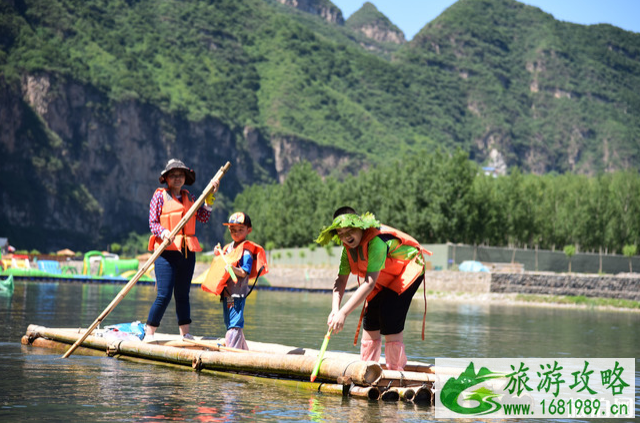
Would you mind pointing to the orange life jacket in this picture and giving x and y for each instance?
(397, 274)
(171, 215)
(217, 275)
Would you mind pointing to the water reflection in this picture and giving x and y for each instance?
(316, 410)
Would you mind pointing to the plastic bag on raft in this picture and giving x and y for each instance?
(125, 331)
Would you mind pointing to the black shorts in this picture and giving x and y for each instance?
(387, 311)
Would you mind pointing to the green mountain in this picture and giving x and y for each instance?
(375, 25)
(97, 95)
(546, 95)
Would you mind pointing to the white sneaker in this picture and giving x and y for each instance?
(188, 336)
(149, 337)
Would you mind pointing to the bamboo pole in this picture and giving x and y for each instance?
(424, 394)
(406, 394)
(58, 346)
(405, 378)
(125, 290)
(214, 346)
(409, 394)
(299, 366)
(390, 395)
(415, 367)
(369, 392)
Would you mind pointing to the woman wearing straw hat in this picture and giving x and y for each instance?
(174, 267)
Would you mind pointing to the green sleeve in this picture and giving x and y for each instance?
(377, 255)
(345, 269)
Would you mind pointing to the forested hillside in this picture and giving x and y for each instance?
(547, 95)
(97, 95)
(441, 198)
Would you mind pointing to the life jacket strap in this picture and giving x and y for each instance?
(184, 243)
(424, 293)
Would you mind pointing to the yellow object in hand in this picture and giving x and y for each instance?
(231, 273)
(209, 199)
(228, 265)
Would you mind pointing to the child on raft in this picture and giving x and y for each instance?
(391, 266)
(232, 268)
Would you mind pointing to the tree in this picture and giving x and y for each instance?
(135, 244)
(569, 251)
(483, 220)
(624, 203)
(630, 251)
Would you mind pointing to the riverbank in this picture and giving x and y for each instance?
(562, 301)
(526, 288)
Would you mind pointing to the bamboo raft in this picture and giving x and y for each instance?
(340, 373)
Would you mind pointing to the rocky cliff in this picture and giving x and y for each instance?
(375, 25)
(324, 8)
(91, 165)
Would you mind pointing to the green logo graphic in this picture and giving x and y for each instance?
(454, 387)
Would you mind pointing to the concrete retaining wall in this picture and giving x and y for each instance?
(447, 281)
(626, 287)
(568, 284)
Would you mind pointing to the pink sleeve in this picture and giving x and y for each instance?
(202, 214)
(155, 210)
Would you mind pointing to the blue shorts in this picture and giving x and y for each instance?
(233, 310)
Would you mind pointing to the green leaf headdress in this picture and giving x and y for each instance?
(366, 221)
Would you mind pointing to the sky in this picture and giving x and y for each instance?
(412, 15)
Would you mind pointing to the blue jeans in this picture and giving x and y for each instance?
(173, 276)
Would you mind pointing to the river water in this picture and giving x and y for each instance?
(37, 385)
